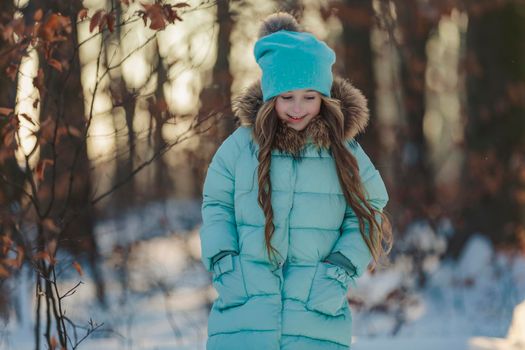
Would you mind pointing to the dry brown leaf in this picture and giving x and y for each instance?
(147, 7)
(111, 22)
(157, 22)
(11, 263)
(95, 20)
(77, 267)
(3, 272)
(74, 131)
(40, 170)
(102, 23)
(9, 138)
(53, 343)
(7, 242)
(38, 15)
(55, 64)
(50, 27)
(11, 71)
(65, 23)
(42, 256)
(82, 14)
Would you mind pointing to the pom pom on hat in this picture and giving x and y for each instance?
(292, 60)
(278, 21)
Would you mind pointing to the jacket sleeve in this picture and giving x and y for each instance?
(218, 232)
(352, 252)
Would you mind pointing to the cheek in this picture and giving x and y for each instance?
(315, 108)
(280, 109)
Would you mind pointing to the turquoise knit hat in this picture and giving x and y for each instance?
(293, 60)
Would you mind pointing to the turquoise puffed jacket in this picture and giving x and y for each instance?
(298, 302)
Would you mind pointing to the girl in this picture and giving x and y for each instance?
(292, 205)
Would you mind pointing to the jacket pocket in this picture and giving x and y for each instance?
(328, 290)
(228, 280)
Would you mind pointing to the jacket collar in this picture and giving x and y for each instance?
(314, 139)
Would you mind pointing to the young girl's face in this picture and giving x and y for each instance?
(298, 107)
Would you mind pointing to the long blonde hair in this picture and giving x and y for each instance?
(379, 240)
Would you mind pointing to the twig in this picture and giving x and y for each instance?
(71, 291)
(61, 326)
(89, 330)
(169, 314)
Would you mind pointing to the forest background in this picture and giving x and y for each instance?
(110, 111)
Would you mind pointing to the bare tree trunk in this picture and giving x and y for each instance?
(357, 19)
(416, 189)
(122, 97)
(10, 194)
(495, 133)
(65, 190)
(216, 98)
(125, 196)
(159, 111)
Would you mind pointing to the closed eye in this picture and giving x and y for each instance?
(290, 97)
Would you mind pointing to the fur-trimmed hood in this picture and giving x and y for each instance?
(353, 105)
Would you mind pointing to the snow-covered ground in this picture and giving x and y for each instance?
(159, 293)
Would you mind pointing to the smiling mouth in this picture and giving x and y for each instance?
(296, 118)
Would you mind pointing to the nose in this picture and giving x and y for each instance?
(296, 107)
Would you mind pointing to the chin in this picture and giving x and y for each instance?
(298, 128)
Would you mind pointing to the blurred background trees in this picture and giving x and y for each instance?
(94, 93)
